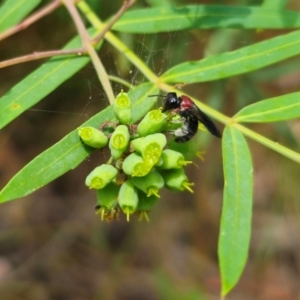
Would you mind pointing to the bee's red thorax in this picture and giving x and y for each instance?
(186, 102)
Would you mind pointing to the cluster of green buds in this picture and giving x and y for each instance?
(141, 163)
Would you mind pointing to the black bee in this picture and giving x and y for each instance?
(190, 115)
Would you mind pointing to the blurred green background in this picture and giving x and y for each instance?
(53, 246)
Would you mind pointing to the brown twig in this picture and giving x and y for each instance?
(31, 19)
(113, 20)
(85, 38)
(40, 55)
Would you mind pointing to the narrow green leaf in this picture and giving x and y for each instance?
(70, 151)
(274, 4)
(159, 19)
(13, 11)
(40, 83)
(235, 228)
(236, 62)
(271, 110)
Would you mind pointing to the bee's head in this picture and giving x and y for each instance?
(171, 101)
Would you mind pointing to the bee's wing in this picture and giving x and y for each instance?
(206, 121)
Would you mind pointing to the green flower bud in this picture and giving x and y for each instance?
(101, 176)
(107, 199)
(92, 137)
(160, 162)
(134, 165)
(172, 160)
(145, 204)
(172, 125)
(150, 147)
(149, 184)
(119, 141)
(188, 149)
(122, 108)
(128, 198)
(151, 123)
(176, 180)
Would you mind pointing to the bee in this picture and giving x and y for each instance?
(190, 115)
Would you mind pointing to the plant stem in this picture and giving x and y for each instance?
(40, 55)
(136, 61)
(113, 20)
(121, 81)
(86, 41)
(268, 143)
(112, 39)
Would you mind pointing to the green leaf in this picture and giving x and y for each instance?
(271, 110)
(159, 19)
(235, 228)
(236, 62)
(70, 151)
(12, 12)
(40, 83)
(274, 4)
